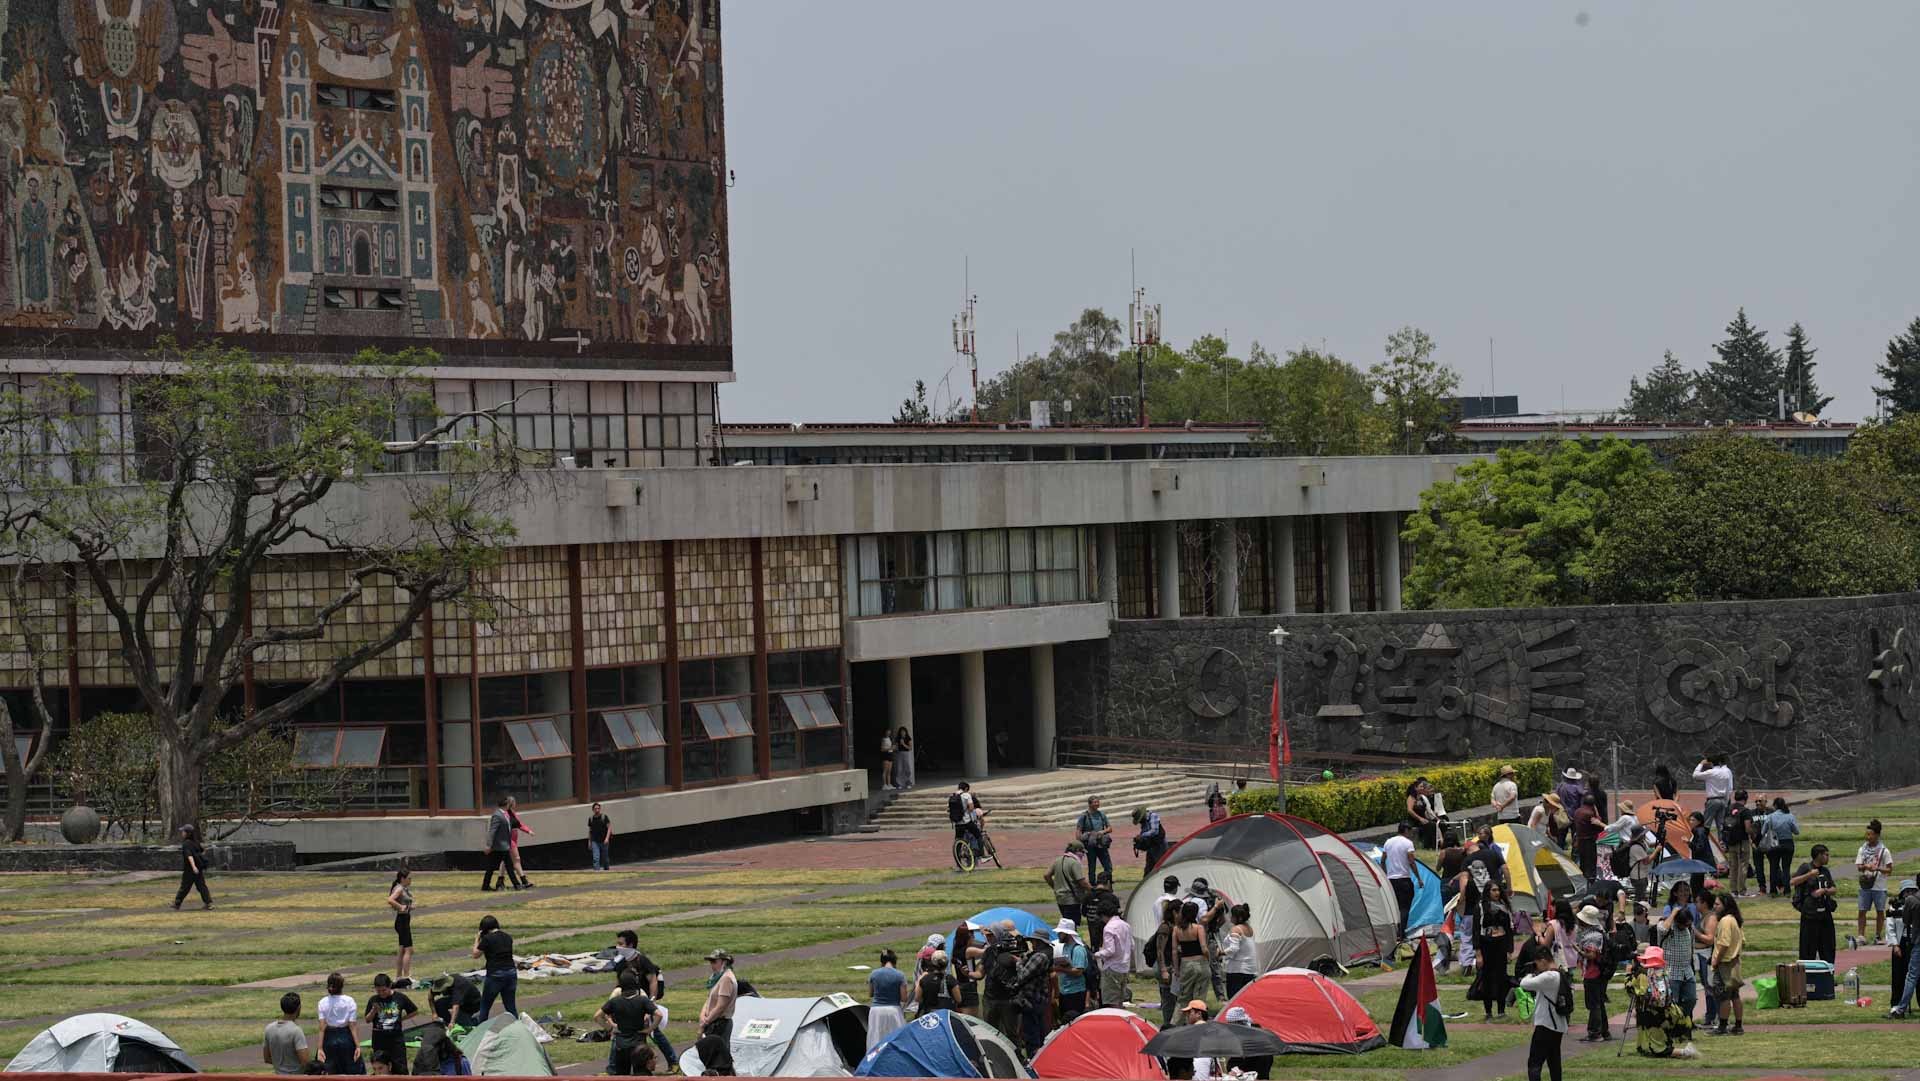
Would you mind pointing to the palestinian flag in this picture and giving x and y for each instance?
(1416, 1020)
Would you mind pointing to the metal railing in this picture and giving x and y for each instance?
(1229, 760)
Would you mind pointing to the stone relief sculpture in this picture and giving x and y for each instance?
(1893, 676)
(1219, 685)
(1336, 653)
(1691, 685)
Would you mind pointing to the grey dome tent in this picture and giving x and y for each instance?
(798, 1037)
(506, 1045)
(101, 1043)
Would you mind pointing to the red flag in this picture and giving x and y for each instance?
(1276, 737)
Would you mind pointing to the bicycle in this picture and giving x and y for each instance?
(964, 857)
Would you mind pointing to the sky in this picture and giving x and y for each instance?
(1584, 184)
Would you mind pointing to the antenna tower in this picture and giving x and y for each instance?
(963, 344)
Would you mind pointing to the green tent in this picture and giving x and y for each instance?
(506, 1046)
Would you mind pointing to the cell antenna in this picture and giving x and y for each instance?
(963, 343)
(1143, 329)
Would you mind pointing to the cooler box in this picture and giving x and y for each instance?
(1819, 980)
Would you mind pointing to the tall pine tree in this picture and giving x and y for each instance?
(1803, 394)
(1743, 385)
(1669, 396)
(1902, 372)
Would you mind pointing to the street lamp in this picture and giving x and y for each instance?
(1279, 636)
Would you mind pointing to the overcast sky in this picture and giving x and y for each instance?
(1585, 183)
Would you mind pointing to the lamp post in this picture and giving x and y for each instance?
(1279, 636)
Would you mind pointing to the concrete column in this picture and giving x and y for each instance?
(900, 694)
(1226, 558)
(1040, 673)
(1341, 592)
(973, 714)
(1109, 559)
(1280, 535)
(1387, 532)
(1166, 565)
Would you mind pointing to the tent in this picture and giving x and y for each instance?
(943, 1044)
(798, 1037)
(1538, 868)
(1315, 899)
(1103, 1043)
(1313, 1014)
(1429, 910)
(101, 1043)
(507, 1046)
(1025, 923)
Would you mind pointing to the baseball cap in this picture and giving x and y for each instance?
(1235, 1015)
(1196, 1004)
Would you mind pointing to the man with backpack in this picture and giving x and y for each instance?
(1151, 841)
(1552, 1010)
(1000, 982)
(1906, 974)
(1813, 893)
(1067, 878)
(1094, 831)
(1596, 969)
(964, 811)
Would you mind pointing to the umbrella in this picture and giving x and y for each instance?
(1683, 867)
(1212, 1039)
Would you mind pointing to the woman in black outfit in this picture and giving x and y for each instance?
(1493, 939)
(193, 868)
(966, 969)
(1664, 786)
(1599, 796)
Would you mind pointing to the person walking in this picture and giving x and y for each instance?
(1241, 951)
(1874, 865)
(1151, 841)
(1717, 776)
(1096, 833)
(1397, 857)
(891, 993)
(1066, 876)
(1506, 796)
(629, 1017)
(400, 900)
(1729, 939)
(284, 1044)
(1114, 958)
(1493, 933)
(1193, 952)
(600, 839)
(723, 991)
(337, 1013)
(902, 758)
(1594, 972)
(1783, 827)
(1736, 838)
(387, 1014)
(1813, 897)
(513, 839)
(1549, 1024)
(1071, 960)
(499, 849)
(193, 868)
(495, 947)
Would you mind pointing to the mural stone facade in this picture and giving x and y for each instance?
(490, 177)
(1807, 693)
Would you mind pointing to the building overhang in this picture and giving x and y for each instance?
(932, 634)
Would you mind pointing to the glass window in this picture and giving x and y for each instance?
(633, 728)
(323, 748)
(361, 746)
(315, 747)
(536, 740)
(723, 719)
(503, 696)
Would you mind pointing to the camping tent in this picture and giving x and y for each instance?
(506, 1045)
(1315, 898)
(798, 1037)
(1428, 909)
(1103, 1043)
(943, 1044)
(1314, 1015)
(101, 1043)
(1025, 923)
(1538, 868)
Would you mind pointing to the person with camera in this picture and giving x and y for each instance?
(1066, 876)
(1547, 981)
(1214, 906)
(1874, 864)
(1813, 898)
(1151, 841)
(1094, 831)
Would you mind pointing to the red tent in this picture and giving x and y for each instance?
(1310, 1012)
(1103, 1043)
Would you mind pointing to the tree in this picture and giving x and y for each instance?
(35, 613)
(1316, 403)
(1669, 396)
(236, 462)
(1901, 372)
(1520, 529)
(1415, 390)
(1744, 383)
(914, 409)
(1081, 368)
(1803, 394)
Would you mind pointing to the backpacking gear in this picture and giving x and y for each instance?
(1563, 996)
(956, 808)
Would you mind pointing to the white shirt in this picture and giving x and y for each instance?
(1538, 820)
(1545, 985)
(1505, 795)
(1396, 854)
(338, 1011)
(1719, 780)
(1240, 956)
(1874, 858)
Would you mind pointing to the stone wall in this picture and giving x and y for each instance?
(1798, 693)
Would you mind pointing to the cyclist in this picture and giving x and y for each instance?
(964, 810)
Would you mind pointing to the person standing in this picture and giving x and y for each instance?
(629, 1014)
(1214, 905)
(1426, 825)
(1151, 841)
(1241, 950)
(1717, 776)
(1506, 796)
(1874, 864)
(499, 848)
(337, 1013)
(1599, 795)
(1549, 818)
(936, 989)
(1549, 1024)
(1000, 982)
(723, 990)
(600, 839)
(886, 760)
(387, 1013)
(1115, 961)
(1737, 839)
(284, 1045)
(193, 868)
(1699, 847)
(513, 839)
(1096, 833)
(495, 947)
(1193, 953)
(1728, 941)
(1593, 972)
(1682, 984)
(1397, 857)
(1102, 905)
(1571, 788)
(1784, 827)
(903, 758)
(1070, 965)
(400, 900)
(1762, 844)
(1905, 971)
(1067, 878)
(1587, 825)
(890, 994)
(1493, 929)
(1813, 893)
(965, 960)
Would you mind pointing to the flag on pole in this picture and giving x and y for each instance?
(1417, 1024)
(1274, 737)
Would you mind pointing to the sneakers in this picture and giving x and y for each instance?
(1898, 1013)
(1735, 1031)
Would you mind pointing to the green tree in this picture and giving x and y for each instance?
(1519, 529)
(1803, 394)
(241, 460)
(1669, 396)
(1736, 518)
(1901, 372)
(1316, 403)
(1415, 392)
(1083, 367)
(1744, 382)
(1883, 461)
(914, 410)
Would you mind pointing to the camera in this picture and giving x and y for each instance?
(1661, 814)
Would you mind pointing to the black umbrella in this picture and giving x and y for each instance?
(1211, 1039)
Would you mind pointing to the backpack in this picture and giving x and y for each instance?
(1621, 946)
(956, 809)
(1563, 996)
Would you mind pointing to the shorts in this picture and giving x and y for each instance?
(1873, 900)
(403, 927)
(1727, 976)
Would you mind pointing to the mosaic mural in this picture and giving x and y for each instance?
(504, 170)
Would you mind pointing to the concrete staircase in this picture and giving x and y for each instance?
(1048, 800)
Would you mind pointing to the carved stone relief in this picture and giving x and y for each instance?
(1896, 676)
(1690, 685)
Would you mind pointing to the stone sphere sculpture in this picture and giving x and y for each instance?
(80, 825)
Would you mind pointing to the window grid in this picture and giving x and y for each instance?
(983, 568)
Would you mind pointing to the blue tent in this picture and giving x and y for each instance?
(1024, 923)
(943, 1044)
(1428, 909)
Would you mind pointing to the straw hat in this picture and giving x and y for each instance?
(1553, 801)
(1590, 916)
(1570, 773)
(1506, 771)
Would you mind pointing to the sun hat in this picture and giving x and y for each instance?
(1570, 773)
(1589, 915)
(1236, 1016)
(1626, 806)
(1140, 814)
(1065, 927)
(1506, 771)
(936, 940)
(720, 955)
(1553, 801)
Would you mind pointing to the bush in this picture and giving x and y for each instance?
(1342, 806)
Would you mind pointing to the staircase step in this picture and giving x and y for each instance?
(1050, 807)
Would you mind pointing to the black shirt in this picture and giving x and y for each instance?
(599, 828)
(630, 1014)
(497, 946)
(643, 966)
(1736, 830)
(1822, 879)
(190, 853)
(937, 991)
(387, 1014)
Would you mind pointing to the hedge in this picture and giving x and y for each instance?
(1342, 806)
